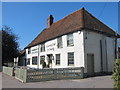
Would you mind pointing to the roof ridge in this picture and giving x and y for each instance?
(70, 14)
(74, 21)
(98, 20)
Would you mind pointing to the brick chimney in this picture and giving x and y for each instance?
(49, 21)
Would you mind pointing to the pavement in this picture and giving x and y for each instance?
(0, 80)
(92, 82)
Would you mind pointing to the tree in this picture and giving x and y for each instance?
(10, 47)
(116, 75)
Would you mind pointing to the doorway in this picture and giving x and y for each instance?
(90, 64)
(49, 60)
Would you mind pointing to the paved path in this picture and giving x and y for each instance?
(0, 80)
(93, 82)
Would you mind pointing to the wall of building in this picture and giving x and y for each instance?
(110, 53)
(32, 55)
(51, 48)
(85, 42)
(92, 46)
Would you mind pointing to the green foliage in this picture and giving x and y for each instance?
(49, 62)
(116, 74)
(43, 64)
(10, 46)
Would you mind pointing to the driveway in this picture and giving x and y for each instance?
(93, 82)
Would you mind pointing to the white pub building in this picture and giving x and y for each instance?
(77, 40)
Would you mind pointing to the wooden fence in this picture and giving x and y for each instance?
(54, 74)
(37, 75)
(21, 74)
(8, 70)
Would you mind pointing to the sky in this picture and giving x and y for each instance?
(28, 19)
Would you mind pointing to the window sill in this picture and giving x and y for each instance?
(70, 64)
(60, 47)
(70, 45)
(42, 51)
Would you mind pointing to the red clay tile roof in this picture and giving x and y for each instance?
(22, 52)
(75, 21)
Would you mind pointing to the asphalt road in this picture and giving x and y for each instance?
(93, 82)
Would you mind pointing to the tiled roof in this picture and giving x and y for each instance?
(77, 20)
(22, 52)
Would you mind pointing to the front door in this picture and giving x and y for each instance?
(50, 56)
(90, 64)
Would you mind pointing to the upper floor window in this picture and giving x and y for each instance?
(34, 60)
(71, 58)
(34, 51)
(29, 50)
(70, 40)
(57, 59)
(42, 47)
(28, 61)
(59, 42)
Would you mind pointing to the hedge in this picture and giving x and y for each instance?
(116, 74)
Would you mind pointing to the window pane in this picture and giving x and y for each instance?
(70, 39)
(34, 60)
(42, 59)
(29, 50)
(28, 61)
(59, 42)
(71, 58)
(57, 59)
(42, 47)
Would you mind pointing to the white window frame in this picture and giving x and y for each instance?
(58, 60)
(36, 60)
(59, 42)
(70, 40)
(70, 59)
(42, 49)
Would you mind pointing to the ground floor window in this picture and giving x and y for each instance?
(34, 60)
(42, 59)
(71, 58)
(57, 59)
(28, 61)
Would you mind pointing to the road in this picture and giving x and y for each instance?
(92, 82)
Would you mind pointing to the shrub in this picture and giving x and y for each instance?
(43, 64)
(116, 74)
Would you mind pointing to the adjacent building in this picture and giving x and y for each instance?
(77, 40)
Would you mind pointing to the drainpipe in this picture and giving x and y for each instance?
(38, 57)
(116, 47)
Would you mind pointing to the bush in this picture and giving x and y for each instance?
(116, 74)
(43, 64)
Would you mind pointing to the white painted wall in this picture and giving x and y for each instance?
(84, 42)
(77, 49)
(110, 53)
(32, 55)
(92, 45)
